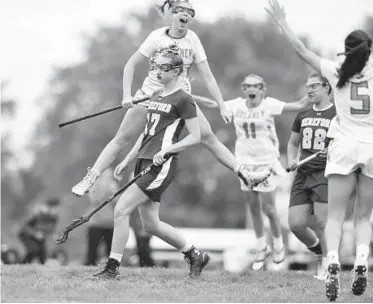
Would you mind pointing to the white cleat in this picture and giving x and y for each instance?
(278, 257)
(260, 258)
(252, 179)
(86, 183)
(360, 280)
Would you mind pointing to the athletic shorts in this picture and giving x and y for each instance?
(156, 181)
(272, 182)
(346, 156)
(309, 188)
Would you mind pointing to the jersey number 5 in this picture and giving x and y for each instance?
(152, 120)
(318, 139)
(356, 96)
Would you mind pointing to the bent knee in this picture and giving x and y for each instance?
(151, 227)
(120, 213)
(297, 224)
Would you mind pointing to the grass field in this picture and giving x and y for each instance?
(35, 283)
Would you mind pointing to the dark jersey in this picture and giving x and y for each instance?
(313, 126)
(165, 121)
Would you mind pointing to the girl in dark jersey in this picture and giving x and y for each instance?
(166, 117)
(309, 192)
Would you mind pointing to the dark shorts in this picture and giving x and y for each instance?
(308, 189)
(156, 181)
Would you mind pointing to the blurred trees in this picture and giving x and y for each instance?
(205, 193)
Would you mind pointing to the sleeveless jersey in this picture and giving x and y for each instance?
(165, 121)
(313, 126)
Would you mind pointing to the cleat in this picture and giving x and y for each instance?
(359, 283)
(279, 256)
(332, 284)
(197, 260)
(108, 271)
(86, 183)
(252, 179)
(261, 256)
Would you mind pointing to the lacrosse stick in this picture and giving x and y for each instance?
(154, 95)
(305, 160)
(205, 101)
(86, 217)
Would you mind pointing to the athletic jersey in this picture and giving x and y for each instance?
(313, 126)
(191, 50)
(353, 103)
(165, 121)
(256, 136)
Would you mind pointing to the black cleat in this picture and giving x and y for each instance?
(197, 260)
(359, 284)
(108, 271)
(332, 284)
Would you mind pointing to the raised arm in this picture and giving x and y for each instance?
(128, 72)
(212, 86)
(297, 106)
(277, 12)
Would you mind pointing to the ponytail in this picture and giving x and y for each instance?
(357, 52)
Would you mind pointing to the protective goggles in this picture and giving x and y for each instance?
(315, 86)
(180, 9)
(166, 67)
(258, 86)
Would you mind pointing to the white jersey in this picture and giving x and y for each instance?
(353, 103)
(257, 141)
(191, 50)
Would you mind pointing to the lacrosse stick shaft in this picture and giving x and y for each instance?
(85, 218)
(100, 113)
(306, 160)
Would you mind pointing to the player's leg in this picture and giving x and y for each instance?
(222, 153)
(129, 130)
(269, 209)
(253, 204)
(340, 171)
(363, 231)
(149, 213)
(93, 240)
(129, 200)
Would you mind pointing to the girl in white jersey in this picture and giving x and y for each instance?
(350, 156)
(192, 51)
(257, 147)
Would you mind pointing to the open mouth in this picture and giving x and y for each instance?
(252, 96)
(159, 77)
(184, 20)
(311, 95)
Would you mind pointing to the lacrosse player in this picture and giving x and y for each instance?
(192, 52)
(350, 157)
(309, 192)
(257, 146)
(166, 117)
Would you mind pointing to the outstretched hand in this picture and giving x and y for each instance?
(226, 114)
(276, 11)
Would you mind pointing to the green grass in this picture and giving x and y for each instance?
(35, 283)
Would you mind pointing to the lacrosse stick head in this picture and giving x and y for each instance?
(75, 223)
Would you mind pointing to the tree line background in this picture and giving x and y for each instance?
(205, 194)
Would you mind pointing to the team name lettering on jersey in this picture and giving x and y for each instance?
(316, 122)
(248, 115)
(163, 107)
(186, 53)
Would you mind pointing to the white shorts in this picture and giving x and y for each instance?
(278, 172)
(346, 156)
